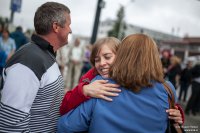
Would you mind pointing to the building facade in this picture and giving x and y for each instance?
(182, 47)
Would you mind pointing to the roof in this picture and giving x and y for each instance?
(185, 41)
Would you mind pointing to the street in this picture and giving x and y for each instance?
(192, 123)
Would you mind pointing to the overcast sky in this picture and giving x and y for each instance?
(160, 15)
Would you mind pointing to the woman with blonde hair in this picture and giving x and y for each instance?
(137, 68)
(174, 70)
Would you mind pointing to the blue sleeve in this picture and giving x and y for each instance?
(98, 77)
(3, 58)
(78, 119)
(174, 91)
(13, 44)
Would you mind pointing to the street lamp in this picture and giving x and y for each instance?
(100, 5)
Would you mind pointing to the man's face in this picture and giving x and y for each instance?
(65, 31)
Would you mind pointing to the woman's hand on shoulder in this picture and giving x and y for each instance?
(101, 89)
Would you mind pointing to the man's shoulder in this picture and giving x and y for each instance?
(31, 56)
(28, 52)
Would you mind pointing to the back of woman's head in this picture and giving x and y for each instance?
(174, 60)
(111, 42)
(137, 63)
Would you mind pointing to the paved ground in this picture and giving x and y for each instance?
(192, 123)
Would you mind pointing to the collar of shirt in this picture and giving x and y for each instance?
(43, 44)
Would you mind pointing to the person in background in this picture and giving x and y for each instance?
(19, 37)
(3, 58)
(86, 60)
(28, 35)
(32, 85)
(1, 29)
(62, 58)
(174, 70)
(7, 44)
(7, 49)
(75, 64)
(185, 80)
(194, 101)
(67, 122)
(165, 59)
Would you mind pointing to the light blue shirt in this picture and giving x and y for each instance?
(142, 112)
(7, 46)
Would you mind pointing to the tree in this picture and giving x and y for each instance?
(4, 22)
(119, 25)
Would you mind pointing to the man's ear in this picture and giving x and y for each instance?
(55, 27)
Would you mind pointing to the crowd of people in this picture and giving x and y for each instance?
(9, 43)
(183, 78)
(122, 88)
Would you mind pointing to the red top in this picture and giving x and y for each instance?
(75, 97)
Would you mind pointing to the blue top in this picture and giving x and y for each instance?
(20, 38)
(142, 112)
(7, 46)
(3, 57)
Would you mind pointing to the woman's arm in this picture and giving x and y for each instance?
(78, 120)
(75, 97)
(83, 91)
(176, 114)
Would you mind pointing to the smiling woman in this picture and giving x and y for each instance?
(103, 54)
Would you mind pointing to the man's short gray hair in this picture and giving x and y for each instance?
(47, 14)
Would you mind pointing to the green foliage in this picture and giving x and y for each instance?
(4, 22)
(119, 25)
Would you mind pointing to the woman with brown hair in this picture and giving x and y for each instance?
(137, 63)
(7, 44)
(137, 68)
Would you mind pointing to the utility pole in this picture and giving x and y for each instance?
(100, 5)
(11, 17)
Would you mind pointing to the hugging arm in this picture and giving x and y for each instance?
(84, 90)
(75, 97)
(77, 120)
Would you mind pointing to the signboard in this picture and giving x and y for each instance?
(16, 5)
